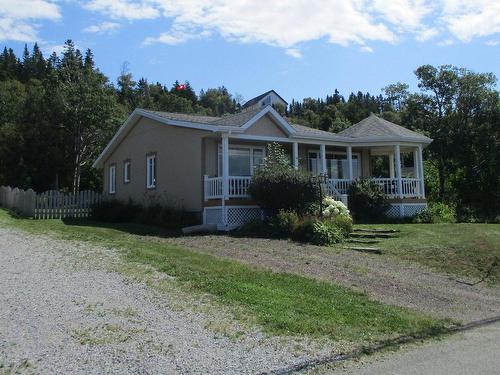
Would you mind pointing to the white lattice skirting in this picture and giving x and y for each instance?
(236, 215)
(405, 209)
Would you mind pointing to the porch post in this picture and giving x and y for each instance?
(295, 155)
(391, 165)
(397, 152)
(421, 172)
(416, 164)
(322, 151)
(225, 176)
(349, 163)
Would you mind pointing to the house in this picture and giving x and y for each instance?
(204, 164)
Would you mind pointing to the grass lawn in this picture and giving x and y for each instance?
(280, 303)
(466, 250)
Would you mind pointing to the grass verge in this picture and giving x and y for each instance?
(466, 250)
(281, 303)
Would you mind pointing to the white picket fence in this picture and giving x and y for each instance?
(50, 204)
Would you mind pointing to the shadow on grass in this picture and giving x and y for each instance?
(130, 228)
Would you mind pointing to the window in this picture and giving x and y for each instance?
(336, 164)
(112, 179)
(242, 160)
(151, 171)
(126, 171)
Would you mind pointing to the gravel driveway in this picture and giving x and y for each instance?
(61, 311)
(385, 279)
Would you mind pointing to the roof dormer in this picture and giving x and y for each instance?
(270, 97)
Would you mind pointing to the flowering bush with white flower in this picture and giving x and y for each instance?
(332, 208)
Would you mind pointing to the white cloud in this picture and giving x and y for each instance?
(407, 14)
(446, 42)
(124, 9)
(492, 43)
(287, 23)
(468, 19)
(294, 52)
(366, 49)
(102, 28)
(18, 18)
(426, 34)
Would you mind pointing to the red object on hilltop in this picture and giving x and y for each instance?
(180, 87)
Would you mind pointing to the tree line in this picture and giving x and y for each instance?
(58, 113)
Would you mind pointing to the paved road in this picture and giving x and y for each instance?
(473, 352)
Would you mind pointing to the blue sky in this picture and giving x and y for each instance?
(300, 48)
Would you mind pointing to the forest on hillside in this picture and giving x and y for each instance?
(57, 113)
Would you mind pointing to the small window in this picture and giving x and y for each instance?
(112, 179)
(126, 171)
(151, 171)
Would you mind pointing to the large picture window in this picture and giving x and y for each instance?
(151, 171)
(336, 164)
(112, 179)
(242, 160)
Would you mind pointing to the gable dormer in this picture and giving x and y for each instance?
(270, 97)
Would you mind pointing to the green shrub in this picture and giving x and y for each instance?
(367, 201)
(326, 233)
(436, 213)
(304, 230)
(284, 223)
(344, 223)
(276, 185)
(114, 211)
(254, 227)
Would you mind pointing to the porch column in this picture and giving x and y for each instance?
(295, 155)
(349, 163)
(322, 151)
(416, 164)
(421, 171)
(397, 154)
(225, 176)
(391, 165)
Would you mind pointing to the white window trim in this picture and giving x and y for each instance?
(317, 151)
(151, 185)
(126, 173)
(234, 145)
(112, 179)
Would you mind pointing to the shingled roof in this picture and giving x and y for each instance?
(184, 116)
(376, 127)
(257, 98)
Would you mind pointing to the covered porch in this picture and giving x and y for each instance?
(396, 167)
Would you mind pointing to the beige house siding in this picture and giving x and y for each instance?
(211, 156)
(265, 126)
(178, 165)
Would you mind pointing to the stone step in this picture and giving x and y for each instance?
(366, 242)
(371, 250)
(376, 230)
(371, 235)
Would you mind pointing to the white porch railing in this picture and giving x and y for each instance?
(238, 187)
(213, 187)
(340, 185)
(410, 186)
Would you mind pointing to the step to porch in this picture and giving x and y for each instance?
(371, 235)
(376, 230)
(365, 242)
(371, 250)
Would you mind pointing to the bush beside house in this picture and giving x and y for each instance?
(291, 202)
(115, 211)
(367, 201)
